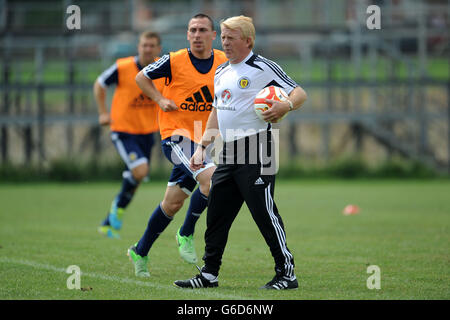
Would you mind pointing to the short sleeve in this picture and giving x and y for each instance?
(109, 77)
(158, 69)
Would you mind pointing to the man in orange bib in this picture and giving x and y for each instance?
(185, 103)
(132, 120)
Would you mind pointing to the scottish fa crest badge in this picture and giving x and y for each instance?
(244, 83)
(132, 156)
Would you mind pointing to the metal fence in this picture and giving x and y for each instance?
(371, 92)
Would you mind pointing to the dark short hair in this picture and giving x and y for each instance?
(149, 35)
(204, 16)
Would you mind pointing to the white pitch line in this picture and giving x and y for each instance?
(41, 266)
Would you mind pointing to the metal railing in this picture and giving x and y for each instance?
(33, 103)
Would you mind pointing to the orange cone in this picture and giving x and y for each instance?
(350, 209)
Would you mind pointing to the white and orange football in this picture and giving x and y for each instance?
(272, 93)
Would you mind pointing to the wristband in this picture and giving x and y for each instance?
(203, 147)
(291, 105)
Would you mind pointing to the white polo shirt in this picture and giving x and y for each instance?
(235, 88)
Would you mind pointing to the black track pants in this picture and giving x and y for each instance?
(232, 184)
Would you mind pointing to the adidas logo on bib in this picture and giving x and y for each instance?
(259, 181)
(196, 101)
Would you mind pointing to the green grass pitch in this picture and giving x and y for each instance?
(403, 228)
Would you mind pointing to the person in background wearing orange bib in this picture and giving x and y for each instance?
(185, 103)
(132, 120)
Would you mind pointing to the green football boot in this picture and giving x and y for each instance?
(140, 263)
(186, 247)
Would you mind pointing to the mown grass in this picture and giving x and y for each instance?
(403, 227)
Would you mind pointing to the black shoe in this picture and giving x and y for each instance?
(280, 282)
(199, 281)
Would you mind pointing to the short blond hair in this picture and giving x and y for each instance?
(242, 23)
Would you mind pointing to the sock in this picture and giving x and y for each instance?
(198, 203)
(127, 192)
(209, 276)
(156, 225)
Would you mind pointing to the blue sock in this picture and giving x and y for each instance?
(198, 203)
(156, 225)
(127, 192)
(125, 195)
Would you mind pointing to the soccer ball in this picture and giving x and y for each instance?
(271, 92)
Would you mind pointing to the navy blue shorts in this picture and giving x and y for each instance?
(179, 150)
(134, 149)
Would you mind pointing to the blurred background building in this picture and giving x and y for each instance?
(376, 94)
